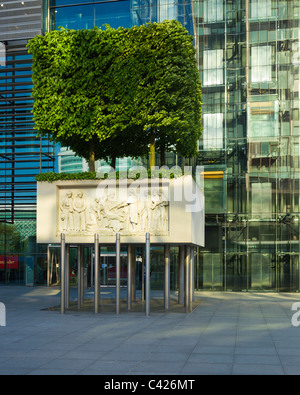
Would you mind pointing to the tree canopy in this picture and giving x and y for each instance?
(111, 93)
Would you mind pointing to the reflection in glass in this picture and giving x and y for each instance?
(213, 131)
(213, 10)
(261, 8)
(261, 65)
(116, 14)
(213, 67)
(78, 17)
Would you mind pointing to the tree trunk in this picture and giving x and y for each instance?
(152, 149)
(92, 156)
(113, 162)
(162, 156)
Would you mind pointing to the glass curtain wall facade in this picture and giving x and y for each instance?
(248, 57)
(248, 53)
(22, 154)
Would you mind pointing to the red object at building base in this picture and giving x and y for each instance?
(12, 262)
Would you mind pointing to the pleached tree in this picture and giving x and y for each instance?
(117, 92)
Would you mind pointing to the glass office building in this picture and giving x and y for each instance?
(248, 57)
(22, 154)
(248, 52)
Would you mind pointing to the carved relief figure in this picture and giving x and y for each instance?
(95, 212)
(132, 204)
(67, 212)
(160, 215)
(80, 212)
(146, 212)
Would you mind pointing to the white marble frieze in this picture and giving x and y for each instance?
(91, 210)
(171, 210)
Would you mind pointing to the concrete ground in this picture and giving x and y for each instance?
(226, 334)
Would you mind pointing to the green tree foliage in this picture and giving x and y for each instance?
(111, 93)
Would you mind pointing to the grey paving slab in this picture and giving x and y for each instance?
(191, 368)
(227, 334)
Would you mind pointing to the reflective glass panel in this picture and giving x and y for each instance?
(56, 3)
(78, 17)
(116, 14)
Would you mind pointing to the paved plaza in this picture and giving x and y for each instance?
(227, 333)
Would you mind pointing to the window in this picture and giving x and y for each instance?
(212, 10)
(261, 198)
(77, 17)
(261, 64)
(2, 55)
(116, 14)
(213, 67)
(166, 10)
(263, 119)
(261, 8)
(213, 131)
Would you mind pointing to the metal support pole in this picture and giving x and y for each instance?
(133, 273)
(191, 291)
(67, 277)
(97, 275)
(167, 276)
(147, 274)
(62, 272)
(48, 265)
(129, 278)
(80, 276)
(187, 278)
(192, 274)
(143, 274)
(118, 269)
(181, 276)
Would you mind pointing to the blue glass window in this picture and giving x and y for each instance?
(77, 17)
(56, 3)
(116, 14)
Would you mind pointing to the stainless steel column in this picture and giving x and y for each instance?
(118, 269)
(147, 274)
(129, 277)
(79, 277)
(48, 265)
(192, 278)
(167, 276)
(133, 271)
(143, 274)
(181, 275)
(62, 272)
(67, 277)
(97, 274)
(82, 274)
(187, 278)
(80, 285)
